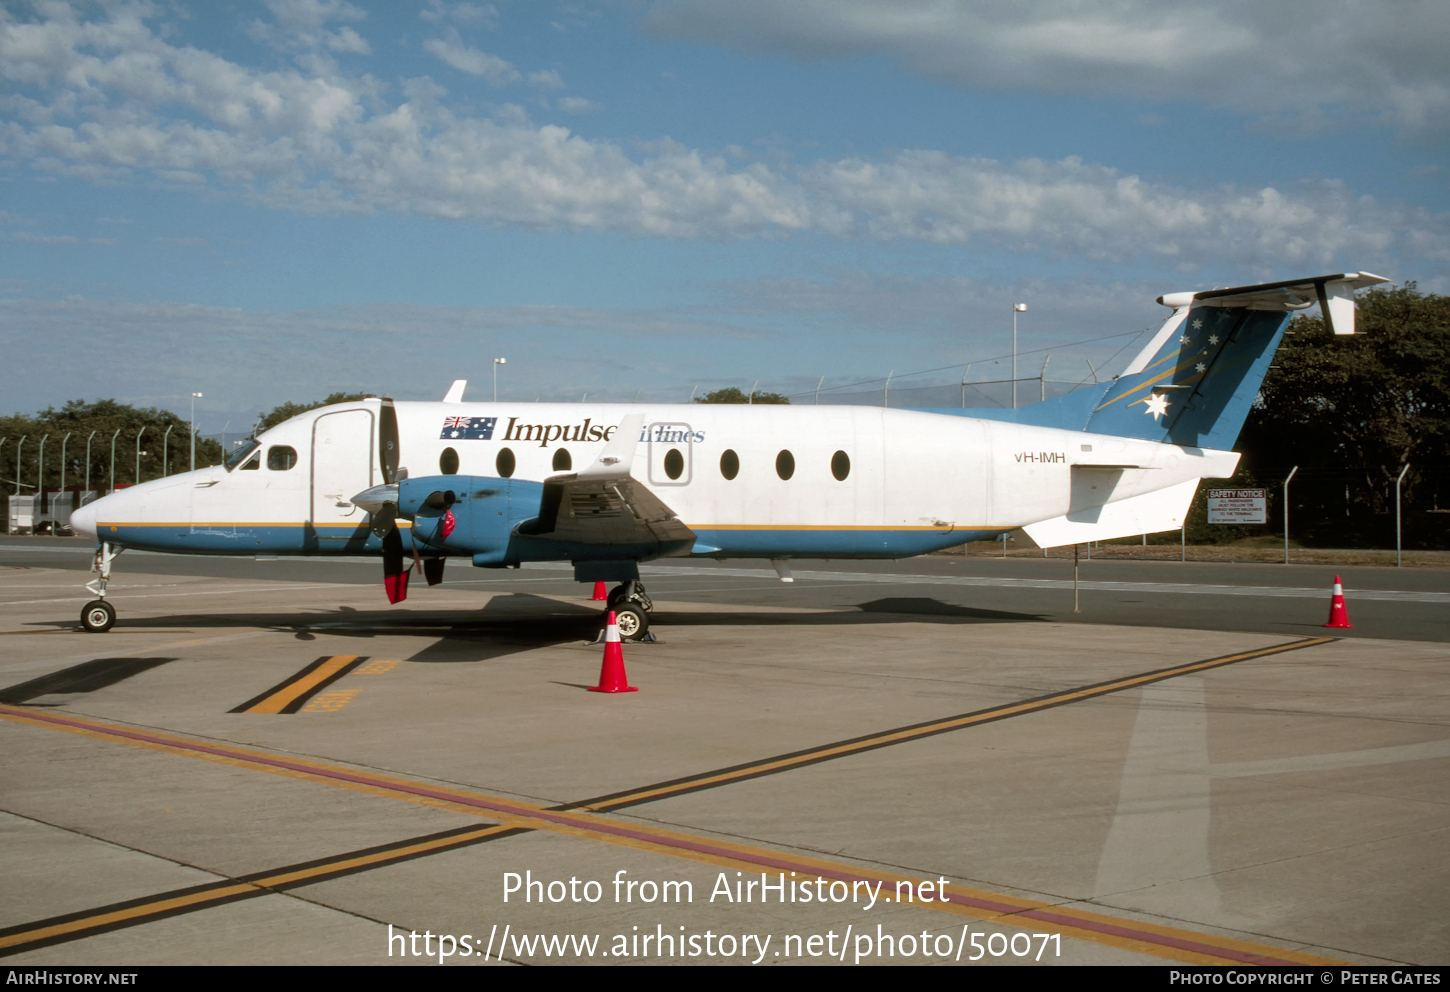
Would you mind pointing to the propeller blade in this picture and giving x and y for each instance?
(385, 519)
(433, 570)
(388, 440)
(395, 576)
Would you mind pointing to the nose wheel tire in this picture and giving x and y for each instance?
(633, 622)
(98, 616)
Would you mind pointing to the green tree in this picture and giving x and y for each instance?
(1353, 411)
(105, 418)
(732, 395)
(289, 410)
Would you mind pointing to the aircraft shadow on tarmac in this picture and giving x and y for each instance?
(509, 624)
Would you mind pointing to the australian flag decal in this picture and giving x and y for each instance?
(468, 428)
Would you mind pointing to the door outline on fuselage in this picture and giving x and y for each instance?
(353, 516)
(682, 436)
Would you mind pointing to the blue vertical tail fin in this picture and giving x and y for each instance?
(1196, 380)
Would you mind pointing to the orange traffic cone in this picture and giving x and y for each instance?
(600, 594)
(611, 673)
(1337, 615)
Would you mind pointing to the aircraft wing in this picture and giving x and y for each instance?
(604, 504)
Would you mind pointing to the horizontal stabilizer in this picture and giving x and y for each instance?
(1150, 513)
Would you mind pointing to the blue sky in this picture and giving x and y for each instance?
(272, 201)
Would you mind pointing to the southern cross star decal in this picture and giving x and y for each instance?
(1183, 339)
(1157, 405)
(1213, 339)
(1198, 325)
(1201, 367)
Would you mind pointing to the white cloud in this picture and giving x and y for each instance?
(1385, 62)
(453, 51)
(546, 79)
(302, 24)
(578, 105)
(122, 102)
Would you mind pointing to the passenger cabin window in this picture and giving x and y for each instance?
(840, 465)
(281, 457)
(242, 453)
(729, 464)
(505, 463)
(563, 462)
(674, 463)
(785, 464)
(448, 462)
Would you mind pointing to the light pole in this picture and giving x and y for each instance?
(113, 458)
(138, 456)
(40, 475)
(1016, 309)
(1286, 514)
(496, 363)
(1397, 513)
(88, 460)
(194, 398)
(18, 449)
(165, 449)
(53, 527)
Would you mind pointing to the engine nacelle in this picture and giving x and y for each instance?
(467, 514)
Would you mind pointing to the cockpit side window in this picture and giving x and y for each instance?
(242, 454)
(281, 457)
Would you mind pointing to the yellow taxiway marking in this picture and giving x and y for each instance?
(1147, 938)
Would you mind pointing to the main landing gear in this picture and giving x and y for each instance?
(99, 616)
(631, 606)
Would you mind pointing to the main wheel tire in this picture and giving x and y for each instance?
(617, 595)
(98, 616)
(633, 622)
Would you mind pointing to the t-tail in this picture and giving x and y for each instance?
(1196, 380)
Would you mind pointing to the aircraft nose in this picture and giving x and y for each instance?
(83, 521)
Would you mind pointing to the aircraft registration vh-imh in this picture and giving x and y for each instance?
(606, 487)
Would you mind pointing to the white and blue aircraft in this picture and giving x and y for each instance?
(609, 486)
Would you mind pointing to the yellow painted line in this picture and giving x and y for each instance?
(1166, 942)
(298, 689)
(330, 702)
(170, 903)
(377, 667)
(769, 766)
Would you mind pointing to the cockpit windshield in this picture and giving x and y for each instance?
(242, 453)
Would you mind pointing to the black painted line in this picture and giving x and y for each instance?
(913, 732)
(177, 902)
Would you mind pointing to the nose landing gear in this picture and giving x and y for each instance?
(99, 616)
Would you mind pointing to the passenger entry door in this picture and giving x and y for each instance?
(342, 467)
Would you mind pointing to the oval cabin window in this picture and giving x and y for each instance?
(674, 463)
(505, 463)
(785, 464)
(729, 464)
(840, 465)
(448, 462)
(281, 457)
(562, 460)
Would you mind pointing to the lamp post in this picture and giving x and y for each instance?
(1398, 480)
(40, 476)
(1016, 309)
(18, 448)
(496, 363)
(138, 456)
(1286, 514)
(54, 523)
(88, 460)
(194, 398)
(165, 450)
(113, 458)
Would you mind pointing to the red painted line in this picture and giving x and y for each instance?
(618, 830)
